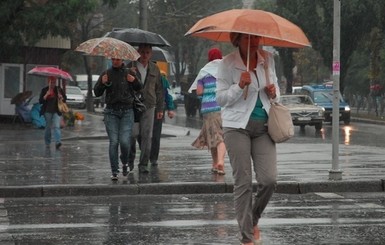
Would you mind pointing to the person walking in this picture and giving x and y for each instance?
(244, 115)
(169, 106)
(152, 92)
(211, 134)
(48, 98)
(118, 85)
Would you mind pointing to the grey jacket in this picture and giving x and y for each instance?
(152, 90)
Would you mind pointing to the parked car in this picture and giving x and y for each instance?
(322, 95)
(303, 111)
(82, 83)
(75, 98)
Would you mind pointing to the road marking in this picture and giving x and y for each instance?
(329, 195)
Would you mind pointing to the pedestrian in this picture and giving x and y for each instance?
(211, 134)
(248, 144)
(158, 123)
(118, 85)
(49, 97)
(152, 92)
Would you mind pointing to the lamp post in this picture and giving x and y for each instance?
(335, 173)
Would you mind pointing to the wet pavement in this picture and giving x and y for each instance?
(300, 219)
(81, 166)
(65, 196)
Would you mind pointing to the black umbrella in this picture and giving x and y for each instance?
(135, 36)
(159, 54)
(21, 97)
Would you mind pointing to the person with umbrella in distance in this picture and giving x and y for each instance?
(244, 119)
(152, 92)
(211, 135)
(49, 97)
(119, 85)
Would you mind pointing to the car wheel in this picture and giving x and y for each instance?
(346, 122)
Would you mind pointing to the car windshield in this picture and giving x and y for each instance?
(296, 100)
(324, 96)
(70, 90)
(83, 85)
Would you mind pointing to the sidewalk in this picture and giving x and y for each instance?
(81, 166)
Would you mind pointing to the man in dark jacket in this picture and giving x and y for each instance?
(119, 86)
(152, 92)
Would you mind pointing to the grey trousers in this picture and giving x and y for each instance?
(143, 132)
(244, 146)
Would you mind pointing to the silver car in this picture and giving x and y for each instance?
(75, 97)
(303, 111)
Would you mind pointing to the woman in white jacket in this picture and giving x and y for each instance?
(244, 95)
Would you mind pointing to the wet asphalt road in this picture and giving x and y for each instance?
(314, 218)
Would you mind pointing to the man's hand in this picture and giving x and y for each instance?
(159, 115)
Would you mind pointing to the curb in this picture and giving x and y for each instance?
(285, 187)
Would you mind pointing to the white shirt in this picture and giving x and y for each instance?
(142, 70)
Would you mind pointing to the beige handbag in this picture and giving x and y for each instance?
(63, 108)
(280, 124)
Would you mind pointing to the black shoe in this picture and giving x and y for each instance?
(114, 176)
(125, 170)
(143, 170)
(131, 165)
(154, 164)
(58, 145)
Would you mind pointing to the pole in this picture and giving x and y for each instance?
(143, 14)
(335, 173)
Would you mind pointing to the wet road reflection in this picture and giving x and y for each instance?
(318, 218)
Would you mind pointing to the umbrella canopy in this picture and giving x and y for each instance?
(50, 71)
(159, 54)
(273, 29)
(135, 36)
(21, 97)
(108, 47)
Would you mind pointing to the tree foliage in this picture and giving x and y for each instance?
(358, 18)
(173, 18)
(28, 21)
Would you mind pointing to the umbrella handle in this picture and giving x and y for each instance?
(246, 90)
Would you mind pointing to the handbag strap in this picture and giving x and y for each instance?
(267, 77)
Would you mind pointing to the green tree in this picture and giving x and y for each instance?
(316, 19)
(173, 18)
(25, 22)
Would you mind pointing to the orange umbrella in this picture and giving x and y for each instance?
(273, 29)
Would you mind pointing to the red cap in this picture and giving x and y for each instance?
(214, 54)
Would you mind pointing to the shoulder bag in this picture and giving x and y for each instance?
(138, 106)
(280, 124)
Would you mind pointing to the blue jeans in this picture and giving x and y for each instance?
(52, 122)
(119, 127)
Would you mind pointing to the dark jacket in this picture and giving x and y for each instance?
(153, 89)
(118, 91)
(52, 100)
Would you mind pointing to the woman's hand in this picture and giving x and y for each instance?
(270, 91)
(245, 79)
(105, 79)
(130, 78)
